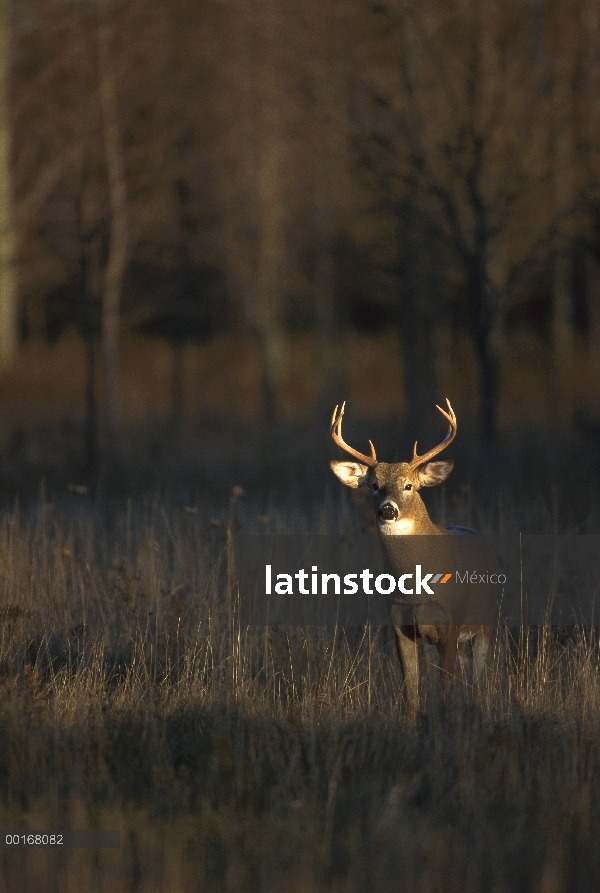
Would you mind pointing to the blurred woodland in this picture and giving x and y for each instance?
(229, 213)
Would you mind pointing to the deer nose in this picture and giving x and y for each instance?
(388, 512)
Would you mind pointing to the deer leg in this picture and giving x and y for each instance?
(407, 646)
(465, 651)
(462, 660)
(481, 644)
(450, 653)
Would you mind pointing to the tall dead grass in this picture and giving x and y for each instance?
(240, 759)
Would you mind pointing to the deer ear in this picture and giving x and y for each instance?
(435, 473)
(352, 474)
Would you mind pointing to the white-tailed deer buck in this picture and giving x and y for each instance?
(434, 604)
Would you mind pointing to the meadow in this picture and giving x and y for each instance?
(237, 759)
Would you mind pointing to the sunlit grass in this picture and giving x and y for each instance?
(236, 758)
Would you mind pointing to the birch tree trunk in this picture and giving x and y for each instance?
(564, 191)
(591, 131)
(8, 235)
(268, 300)
(330, 147)
(119, 227)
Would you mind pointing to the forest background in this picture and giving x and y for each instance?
(220, 219)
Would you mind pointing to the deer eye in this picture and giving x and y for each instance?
(375, 486)
(408, 487)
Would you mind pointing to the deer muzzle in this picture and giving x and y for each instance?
(388, 512)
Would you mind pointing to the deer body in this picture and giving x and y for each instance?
(410, 538)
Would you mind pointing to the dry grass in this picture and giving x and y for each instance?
(240, 759)
(263, 760)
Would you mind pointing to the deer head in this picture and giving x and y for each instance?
(400, 509)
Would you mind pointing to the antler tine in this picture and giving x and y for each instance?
(451, 416)
(336, 433)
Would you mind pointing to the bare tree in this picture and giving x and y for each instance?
(18, 211)
(266, 308)
(458, 156)
(119, 226)
(326, 61)
(590, 137)
(563, 57)
(8, 233)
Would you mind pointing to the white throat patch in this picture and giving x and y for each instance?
(401, 527)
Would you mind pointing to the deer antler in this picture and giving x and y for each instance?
(336, 433)
(419, 460)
